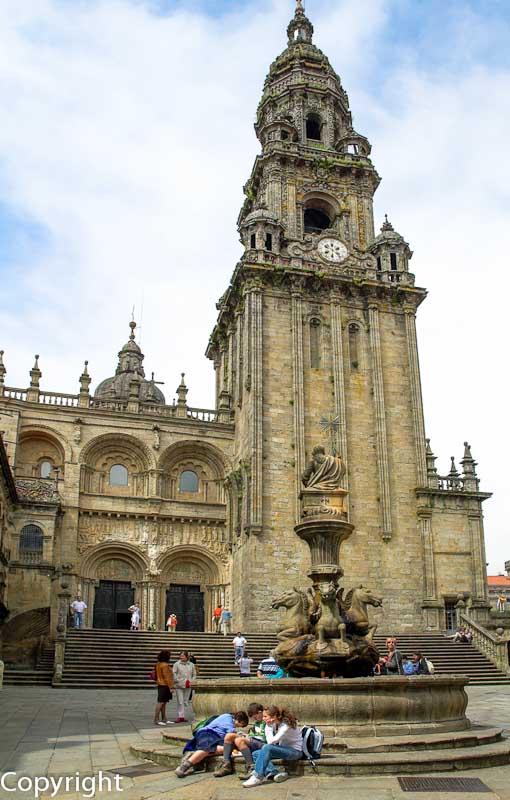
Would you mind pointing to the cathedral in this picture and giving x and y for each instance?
(135, 498)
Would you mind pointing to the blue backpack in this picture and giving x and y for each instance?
(313, 739)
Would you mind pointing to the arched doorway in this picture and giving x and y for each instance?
(112, 577)
(190, 580)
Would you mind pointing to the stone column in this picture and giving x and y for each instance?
(339, 383)
(380, 421)
(416, 396)
(255, 323)
(64, 599)
(240, 358)
(479, 583)
(298, 391)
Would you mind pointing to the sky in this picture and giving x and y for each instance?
(126, 137)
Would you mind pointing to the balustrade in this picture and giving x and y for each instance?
(492, 646)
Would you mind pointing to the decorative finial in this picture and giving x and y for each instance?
(453, 469)
(85, 380)
(35, 373)
(386, 226)
(2, 366)
(299, 29)
(468, 463)
(299, 5)
(132, 325)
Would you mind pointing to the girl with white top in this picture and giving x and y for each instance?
(284, 741)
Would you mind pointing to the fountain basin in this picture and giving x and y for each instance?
(386, 705)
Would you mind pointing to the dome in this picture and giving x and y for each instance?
(130, 368)
(260, 215)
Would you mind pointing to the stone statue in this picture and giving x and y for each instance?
(324, 473)
(296, 621)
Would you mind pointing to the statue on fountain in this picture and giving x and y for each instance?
(324, 633)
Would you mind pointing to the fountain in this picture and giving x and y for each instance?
(325, 634)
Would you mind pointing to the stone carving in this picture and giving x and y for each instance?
(36, 491)
(115, 569)
(324, 473)
(296, 621)
(322, 632)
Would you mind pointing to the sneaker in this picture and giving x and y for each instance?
(280, 777)
(245, 775)
(270, 776)
(224, 769)
(169, 722)
(253, 780)
(183, 769)
(160, 723)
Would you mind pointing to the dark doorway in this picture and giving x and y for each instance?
(187, 603)
(450, 615)
(111, 604)
(316, 220)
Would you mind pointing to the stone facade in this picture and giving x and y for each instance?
(315, 343)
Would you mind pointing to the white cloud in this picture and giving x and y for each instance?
(128, 137)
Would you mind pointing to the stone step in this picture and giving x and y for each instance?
(406, 761)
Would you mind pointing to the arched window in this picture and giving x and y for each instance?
(31, 543)
(354, 345)
(188, 482)
(316, 220)
(315, 343)
(118, 475)
(313, 127)
(45, 468)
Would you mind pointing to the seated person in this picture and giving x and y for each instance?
(284, 741)
(208, 741)
(420, 664)
(246, 743)
(268, 668)
(408, 666)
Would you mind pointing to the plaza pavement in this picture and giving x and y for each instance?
(49, 732)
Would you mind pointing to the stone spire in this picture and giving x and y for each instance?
(182, 391)
(431, 466)
(84, 395)
(471, 482)
(35, 377)
(299, 29)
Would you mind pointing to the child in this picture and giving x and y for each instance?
(208, 741)
(284, 741)
(171, 623)
(246, 743)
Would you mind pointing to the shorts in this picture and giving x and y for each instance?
(208, 740)
(164, 693)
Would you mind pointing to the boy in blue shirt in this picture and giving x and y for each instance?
(208, 741)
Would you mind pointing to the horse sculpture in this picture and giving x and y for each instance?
(330, 624)
(296, 621)
(354, 610)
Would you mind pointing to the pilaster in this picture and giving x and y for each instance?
(255, 359)
(339, 381)
(298, 391)
(416, 396)
(380, 421)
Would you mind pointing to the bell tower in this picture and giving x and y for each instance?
(316, 344)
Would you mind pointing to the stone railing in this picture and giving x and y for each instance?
(149, 409)
(58, 399)
(488, 643)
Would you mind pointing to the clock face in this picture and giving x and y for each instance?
(332, 250)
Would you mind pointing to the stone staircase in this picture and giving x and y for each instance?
(40, 676)
(447, 656)
(123, 659)
(103, 659)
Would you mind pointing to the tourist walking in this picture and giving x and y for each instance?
(171, 623)
(135, 617)
(183, 672)
(284, 741)
(208, 741)
(164, 679)
(77, 609)
(216, 618)
(239, 643)
(226, 621)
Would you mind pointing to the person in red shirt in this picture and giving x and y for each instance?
(217, 618)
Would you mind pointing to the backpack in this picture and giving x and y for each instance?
(430, 665)
(313, 739)
(203, 723)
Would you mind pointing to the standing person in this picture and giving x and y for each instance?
(208, 741)
(245, 663)
(216, 618)
(226, 621)
(171, 623)
(239, 643)
(78, 607)
(135, 616)
(246, 743)
(501, 603)
(394, 659)
(165, 683)
(184, 672)
(284, 741)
